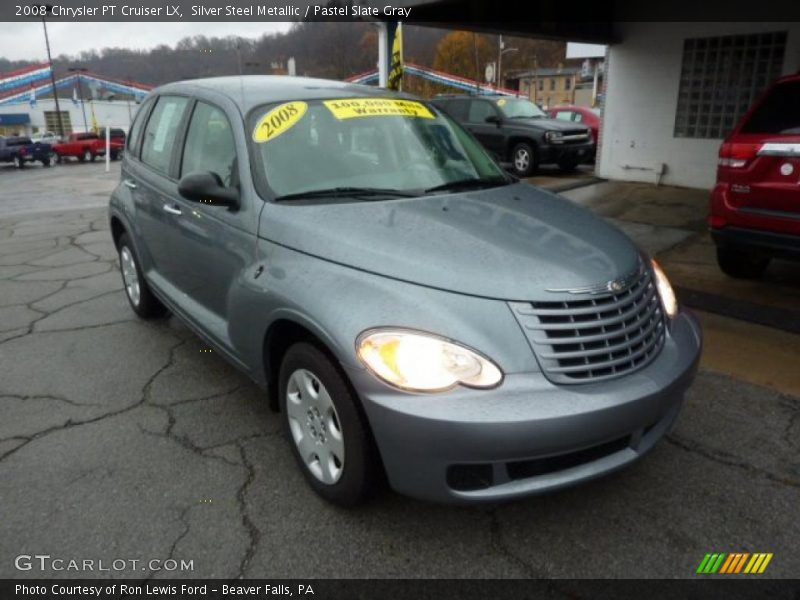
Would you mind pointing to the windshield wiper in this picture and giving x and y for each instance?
(337, 192)
(474, 183)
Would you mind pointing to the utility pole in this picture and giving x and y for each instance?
(49, 8)
(80, 70)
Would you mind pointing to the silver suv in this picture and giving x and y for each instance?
(409, 308)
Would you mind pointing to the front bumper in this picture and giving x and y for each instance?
(528, 435)
(555, 153)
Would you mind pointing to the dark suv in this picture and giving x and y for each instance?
(515, 130)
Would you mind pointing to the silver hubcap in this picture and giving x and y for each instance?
(87, 155)
(522, 159)
(129, 275)
(315, 426)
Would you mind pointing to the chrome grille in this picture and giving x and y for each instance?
(597, 336)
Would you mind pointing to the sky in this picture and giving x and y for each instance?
(25, 41)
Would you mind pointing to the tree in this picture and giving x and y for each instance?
(464, 53)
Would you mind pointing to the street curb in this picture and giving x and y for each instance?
(778, 318)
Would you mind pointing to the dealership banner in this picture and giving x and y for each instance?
(394, 589)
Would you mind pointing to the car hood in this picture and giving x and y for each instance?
(513, 242)
(546, 124)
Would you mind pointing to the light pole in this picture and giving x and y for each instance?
(49, 8)
(501, 49)
(80, 70)
(128, 100)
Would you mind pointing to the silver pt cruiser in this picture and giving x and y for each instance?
(409, 307)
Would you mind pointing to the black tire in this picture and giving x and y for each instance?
(147, 306)
(741, 263)
(59, 160)
(114, 156)
(524, 167)
(20, 162)
(46, 162)
(359, 472)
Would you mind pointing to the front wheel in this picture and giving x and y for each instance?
(20, 162)
(330, 438)
(523, 159)
(141, 299)
(740, 263)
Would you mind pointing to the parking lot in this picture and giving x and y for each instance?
(124, 439)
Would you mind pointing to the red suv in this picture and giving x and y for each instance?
(755, 205)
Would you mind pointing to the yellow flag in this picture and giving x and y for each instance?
(95, 127)
(396, 68)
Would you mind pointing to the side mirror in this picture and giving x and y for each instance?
(493, 119)
(206, 187)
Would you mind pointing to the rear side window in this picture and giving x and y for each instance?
(455, 108)
(210, 145)
(161, 131)
(136, 128)
(779, 113)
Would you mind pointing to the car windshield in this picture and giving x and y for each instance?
(519, 108)
(376, 147)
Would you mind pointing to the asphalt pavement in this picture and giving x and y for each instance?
(125, 439)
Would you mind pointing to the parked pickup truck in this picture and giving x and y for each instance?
(86, 147)
(21, 150)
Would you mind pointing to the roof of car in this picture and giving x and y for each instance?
(248, 91)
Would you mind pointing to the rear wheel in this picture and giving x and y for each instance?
(330, 438)
(141, 299)
(59, 160)
(20, 162)
(741, 263)
(523, 159)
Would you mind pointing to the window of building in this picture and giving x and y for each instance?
(541, 85)
(51, 121)
(552, 84)
(567, 83)
(720, 79)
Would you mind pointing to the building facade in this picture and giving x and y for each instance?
(675, 90)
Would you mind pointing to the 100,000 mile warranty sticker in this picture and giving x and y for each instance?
(377, 107)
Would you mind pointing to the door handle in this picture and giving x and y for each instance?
(130, 183)
(173, 210)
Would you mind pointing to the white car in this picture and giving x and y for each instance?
(45, 137)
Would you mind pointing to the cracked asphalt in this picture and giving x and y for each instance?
(122, 439)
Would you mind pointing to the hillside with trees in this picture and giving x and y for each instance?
(333, 50)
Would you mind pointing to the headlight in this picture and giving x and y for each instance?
(553, 136)
(422, 362)
(665, 291)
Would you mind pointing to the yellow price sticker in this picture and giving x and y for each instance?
(352, 108)
(279, 120)
(501, 102)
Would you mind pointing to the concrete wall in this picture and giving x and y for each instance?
(643, 73)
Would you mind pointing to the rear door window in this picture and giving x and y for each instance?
(778, 113)
(162, 131)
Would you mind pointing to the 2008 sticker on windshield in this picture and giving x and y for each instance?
(279, 120)
(377, 107)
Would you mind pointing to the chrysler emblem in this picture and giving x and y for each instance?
(615, 286)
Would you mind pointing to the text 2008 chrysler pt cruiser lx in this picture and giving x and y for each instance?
(409, 306)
